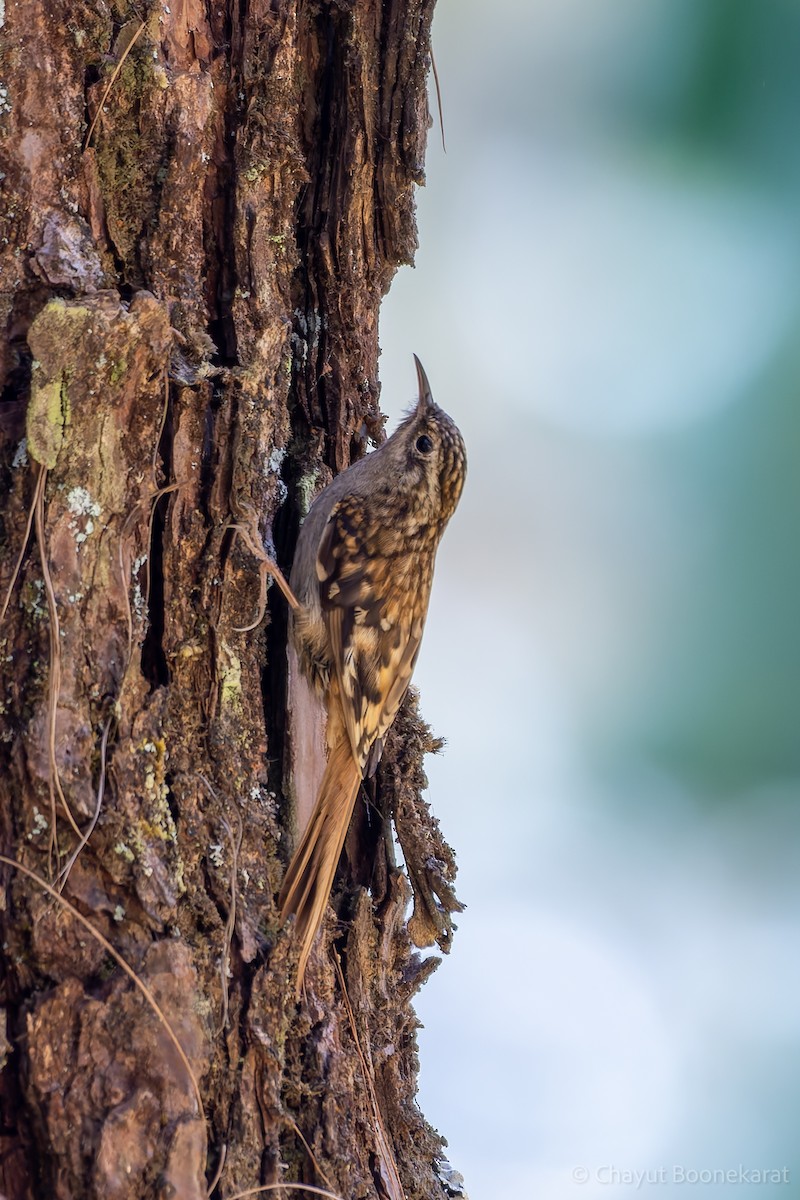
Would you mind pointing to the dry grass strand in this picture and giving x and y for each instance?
(152, 500)
(54, 675)
(288, 1187)
(101, 787)
(438, 99)
(230, 924)
(161, 426)
(298, 1132)
(25, 540)
(395, 1187)
(121, 962)
(112, 81)
(223, 1154)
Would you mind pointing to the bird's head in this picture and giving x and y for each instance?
(431, 459)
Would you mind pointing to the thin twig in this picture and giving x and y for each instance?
(382, 1139)
(289, 1187)
(113, 80)
(54, 677)
(121, 962)
(101, 787)
(230, 924)
(223, 1154)
(438, 99)
(25, 540)
(171, 487)
(162, 425)
(152, 501)
(310, 1152)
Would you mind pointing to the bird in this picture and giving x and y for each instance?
(359, 591)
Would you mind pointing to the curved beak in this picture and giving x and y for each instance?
(425, 394)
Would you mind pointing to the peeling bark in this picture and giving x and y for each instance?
(205, 205)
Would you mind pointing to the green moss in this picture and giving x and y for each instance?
(122, 10)
(55, 338)
(129, 150)
(305, 491)
(48, 415)
(258, 169)
(91, 30)
(118, 370)
(230, 669)
(108, 967)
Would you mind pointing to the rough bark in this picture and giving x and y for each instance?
(205, 203)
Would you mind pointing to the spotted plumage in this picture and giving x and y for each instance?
(362, 578)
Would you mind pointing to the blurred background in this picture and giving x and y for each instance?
(607, 299)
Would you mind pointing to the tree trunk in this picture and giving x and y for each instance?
(204, 204)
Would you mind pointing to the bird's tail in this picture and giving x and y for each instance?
(309, 877)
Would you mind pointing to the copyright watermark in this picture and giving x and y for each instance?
(677, 1174)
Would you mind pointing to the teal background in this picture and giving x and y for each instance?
(607, 299)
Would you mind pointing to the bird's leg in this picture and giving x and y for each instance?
(266, 566)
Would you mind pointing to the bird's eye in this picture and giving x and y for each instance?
(424, 444)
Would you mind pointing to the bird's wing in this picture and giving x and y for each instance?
(374, 595)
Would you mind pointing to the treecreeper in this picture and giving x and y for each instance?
(359, 591)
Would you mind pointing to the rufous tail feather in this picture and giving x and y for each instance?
(309, 877)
